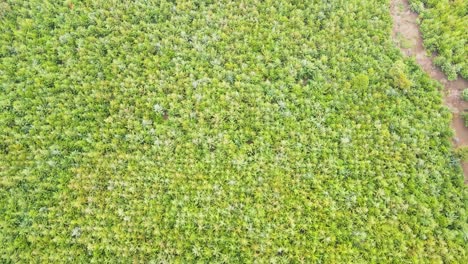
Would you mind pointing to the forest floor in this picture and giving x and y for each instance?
(408, 37)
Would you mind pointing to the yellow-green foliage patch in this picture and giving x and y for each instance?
(220, 132)
(445, 31)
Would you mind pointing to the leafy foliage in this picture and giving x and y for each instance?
(465, 94)
(220, 131)
(465, 117)
(445, 31)
(462, 153)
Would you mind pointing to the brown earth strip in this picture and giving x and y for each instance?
(408, 37)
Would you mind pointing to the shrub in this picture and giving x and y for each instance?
(465, 94)
(462, 153)
(399, 76)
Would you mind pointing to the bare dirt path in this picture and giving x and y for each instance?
(408, 37)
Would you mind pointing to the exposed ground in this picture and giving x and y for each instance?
(408, 37)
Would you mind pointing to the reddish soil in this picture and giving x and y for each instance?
(408, 37)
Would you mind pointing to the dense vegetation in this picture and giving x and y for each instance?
(445, 31)
(465, 94)
(220, 131)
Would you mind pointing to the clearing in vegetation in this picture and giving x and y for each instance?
(221, 131)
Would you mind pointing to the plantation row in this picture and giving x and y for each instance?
(445, 31)
(221, 131)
